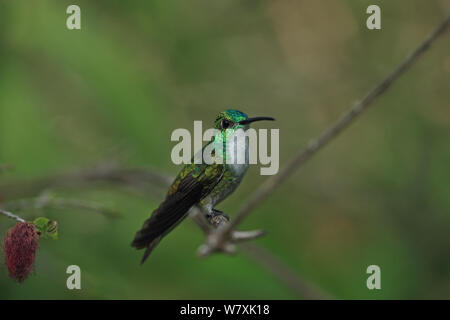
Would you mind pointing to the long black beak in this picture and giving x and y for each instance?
(250, 120)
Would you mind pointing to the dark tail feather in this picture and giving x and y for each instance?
(150, 248)
(166, 217)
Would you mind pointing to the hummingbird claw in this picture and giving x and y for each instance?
(216, 217)
(215, 213)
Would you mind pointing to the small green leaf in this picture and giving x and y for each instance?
(47, 229)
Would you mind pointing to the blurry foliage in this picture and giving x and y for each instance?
(137, 70)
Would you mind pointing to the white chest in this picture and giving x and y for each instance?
(237, 156)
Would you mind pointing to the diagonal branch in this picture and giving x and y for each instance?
(46, 201)
(143, 181)
(323, 139)
(105, 173)
(4, 167)
(302, 287)
(11, 215)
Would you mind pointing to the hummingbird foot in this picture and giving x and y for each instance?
(216, 217)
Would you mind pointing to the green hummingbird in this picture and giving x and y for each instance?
(201, 184)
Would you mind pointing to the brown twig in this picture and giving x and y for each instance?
(5, 167)
(314, 145)
(46, 201)
(141, 181)
(11, 215)
(289, 277)
(208, 226)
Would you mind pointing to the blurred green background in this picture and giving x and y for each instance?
(137, 70)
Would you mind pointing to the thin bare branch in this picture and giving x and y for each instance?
(4, 167)
(324, 138)
(61, 203)
(291, 279)
(137, 180)
(11, 215)
(141, 181)
(208, 227)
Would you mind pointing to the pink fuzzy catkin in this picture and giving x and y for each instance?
(20, 246)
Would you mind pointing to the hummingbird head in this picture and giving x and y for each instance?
(227, 124)
(235, 119)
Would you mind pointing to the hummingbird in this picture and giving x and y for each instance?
(202, 184)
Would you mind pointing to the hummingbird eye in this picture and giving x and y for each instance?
(226, 124)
